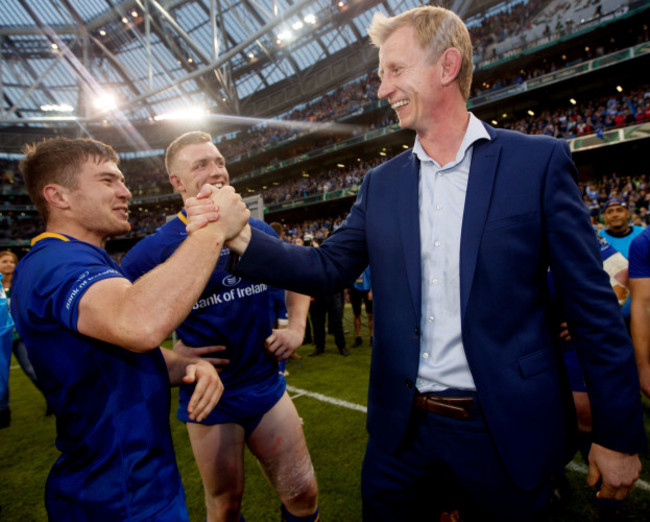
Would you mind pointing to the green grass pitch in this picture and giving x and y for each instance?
(335, 434)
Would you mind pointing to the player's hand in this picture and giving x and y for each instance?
(233, 214)
(201, 210)
(207, 391)
(618, 471)
(182, 349)
(283, 342)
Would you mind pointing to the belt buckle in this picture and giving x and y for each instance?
(445, 405)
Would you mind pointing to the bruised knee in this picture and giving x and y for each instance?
(297, 487)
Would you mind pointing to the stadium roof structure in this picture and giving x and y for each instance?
(92, 62)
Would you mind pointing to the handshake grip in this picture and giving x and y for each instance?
(221, 209)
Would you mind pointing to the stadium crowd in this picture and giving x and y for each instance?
(146, 177)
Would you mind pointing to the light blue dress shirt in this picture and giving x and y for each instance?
(441, 199)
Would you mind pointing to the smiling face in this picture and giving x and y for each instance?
(409, 81)
(98, 204)
(195, 165)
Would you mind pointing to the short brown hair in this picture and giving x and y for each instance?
(59, 160)
(436, 29)
(189, 138)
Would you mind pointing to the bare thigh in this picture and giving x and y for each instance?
(219, 454)
(279, 445)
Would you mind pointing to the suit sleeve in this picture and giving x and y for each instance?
(307, 270)
(602, 342)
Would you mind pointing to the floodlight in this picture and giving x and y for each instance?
(285, 36)
(105, 100)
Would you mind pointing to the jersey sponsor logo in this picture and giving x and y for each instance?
(229, 295)
(85, 280)
(230, 280)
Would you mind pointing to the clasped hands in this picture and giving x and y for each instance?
(221, 208)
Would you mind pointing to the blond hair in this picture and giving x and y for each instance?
(436, 29)
(189, 138)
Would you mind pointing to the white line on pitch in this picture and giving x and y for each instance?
(330, 400)
(578, 468)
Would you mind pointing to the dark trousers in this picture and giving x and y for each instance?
(330, 306)
(444, 464)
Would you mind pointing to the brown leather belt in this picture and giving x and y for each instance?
(455, 407)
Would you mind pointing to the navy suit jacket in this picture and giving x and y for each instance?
(523, 214)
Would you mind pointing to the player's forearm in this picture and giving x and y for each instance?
(161, 299)
(297, 309)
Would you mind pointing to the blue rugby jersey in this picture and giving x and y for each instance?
(231, 311)
(112, 405)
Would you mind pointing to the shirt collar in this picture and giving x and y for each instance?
(475, 131)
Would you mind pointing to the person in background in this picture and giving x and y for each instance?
(94, 338)
(8, 262)
(619, 233)
(6, 329)
(639, 274)
(326, 315)
(360, 292)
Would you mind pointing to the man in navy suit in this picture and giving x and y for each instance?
(468, 405)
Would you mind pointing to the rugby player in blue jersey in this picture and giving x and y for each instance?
(94, 338)
(232, 317)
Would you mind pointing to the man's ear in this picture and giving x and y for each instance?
(176, 182)
(56, 195)
(450, 63)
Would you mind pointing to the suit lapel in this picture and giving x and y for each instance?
(409, 220)
(482, 176)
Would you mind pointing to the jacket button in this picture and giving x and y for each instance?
(409, 383)
(416, 331)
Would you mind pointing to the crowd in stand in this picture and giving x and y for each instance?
(499, 26)
(592, 116)
(147, 176)
(635, 191)
(599, 115)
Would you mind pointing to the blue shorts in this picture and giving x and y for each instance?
(245, 406)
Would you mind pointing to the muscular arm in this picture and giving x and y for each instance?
(640, 325)
(141, 315)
